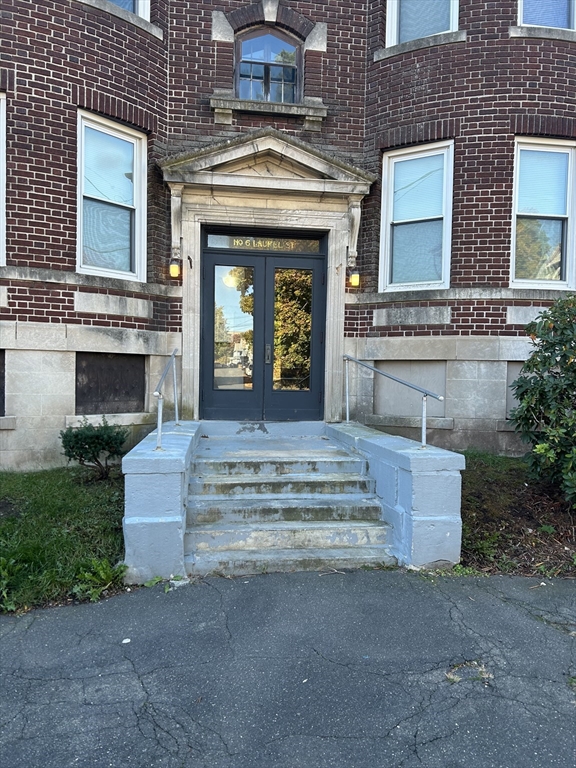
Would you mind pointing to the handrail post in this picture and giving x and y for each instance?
(347, 379)
(175, 384)
(159, 430)
(424, 399)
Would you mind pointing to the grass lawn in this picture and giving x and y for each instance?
(61, 535)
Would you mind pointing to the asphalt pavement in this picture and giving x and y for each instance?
(363, 669)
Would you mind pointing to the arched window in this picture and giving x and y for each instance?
(268, 67)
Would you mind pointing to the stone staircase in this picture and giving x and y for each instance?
(279, 497)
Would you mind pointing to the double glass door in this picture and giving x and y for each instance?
(263, 317)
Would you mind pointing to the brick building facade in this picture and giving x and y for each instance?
(430, 144)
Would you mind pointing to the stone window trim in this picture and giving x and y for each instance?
(270, 15)
(569, 230)
(544, 33)
(139, 141)
(224, 104)
(141, 19)
(393, 23)
(444, 38)
(446, 150)
(2, 179)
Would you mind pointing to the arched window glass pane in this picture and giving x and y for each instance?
(269, 49)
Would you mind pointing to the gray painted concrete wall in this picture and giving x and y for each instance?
(420, 491)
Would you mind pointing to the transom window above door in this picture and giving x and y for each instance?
(268, 64)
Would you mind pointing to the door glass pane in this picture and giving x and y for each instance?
(233, 327)
(539, 247)
(292, 329)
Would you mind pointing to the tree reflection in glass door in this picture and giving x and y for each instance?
(233, 327)
(292, 328)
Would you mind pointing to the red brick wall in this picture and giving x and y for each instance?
(480, 93)
(61, 55)
(57, 56)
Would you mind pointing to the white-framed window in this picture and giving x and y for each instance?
(2, 179)
(544, 215)
(413, 19)
(416, 217)
(111, 199)
(548, 13)
(139, 7)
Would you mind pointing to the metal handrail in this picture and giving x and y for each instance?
(425, 392)
(158, 393)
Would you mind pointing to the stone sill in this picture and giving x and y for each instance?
(422, 42)
(225, 106)
(132, 18)
(456, 293)
(65, 277)
(546, 33)
(114, 419)
(432, 422)
(7, 422)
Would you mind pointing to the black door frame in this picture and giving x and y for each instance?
(262, 402)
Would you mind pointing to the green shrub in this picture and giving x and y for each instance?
(546, 393)
(93, 445)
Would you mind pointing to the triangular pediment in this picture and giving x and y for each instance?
(265, 159)
(269, 163)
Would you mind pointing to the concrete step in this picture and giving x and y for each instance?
(284, 535)
(291, 484)
(239, 563)
(258, 508)
(272, 463)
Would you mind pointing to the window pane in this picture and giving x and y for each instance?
(539, 249)
(418, 188)
(543, 182)
(276, 92)
(268, 48)
(107, 236)
(128, 5)
(257, 90)
(417, 252)
(108, 167)
(419, 18)
(547, 13)
(289, 94)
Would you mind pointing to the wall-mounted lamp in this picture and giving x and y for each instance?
(354, 278)
(175, 267)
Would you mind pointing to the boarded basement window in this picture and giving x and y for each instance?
(109, 383)
(2, 383)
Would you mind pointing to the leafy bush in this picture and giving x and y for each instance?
(93, 445)
(546, 392)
